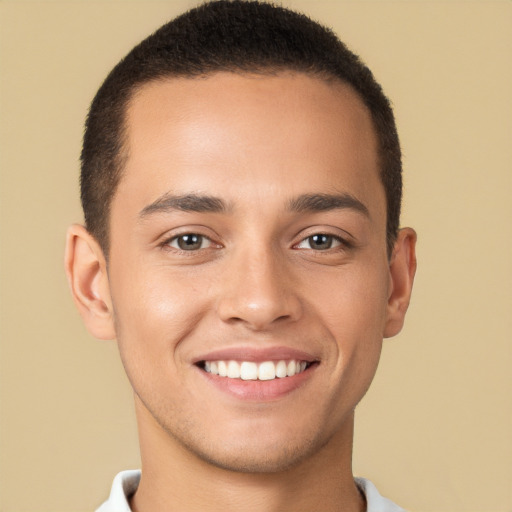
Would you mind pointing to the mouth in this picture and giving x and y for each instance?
(252, 370)
(257, 374)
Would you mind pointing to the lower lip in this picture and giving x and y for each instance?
(260, 390)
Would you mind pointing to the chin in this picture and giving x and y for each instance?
(261, 463)
(265, 456)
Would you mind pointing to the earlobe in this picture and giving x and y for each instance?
(87, 277)
(402, 268)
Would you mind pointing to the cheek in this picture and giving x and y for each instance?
(154, 311)
(354, 313)
(352, 300)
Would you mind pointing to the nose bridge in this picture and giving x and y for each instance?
(258, 289)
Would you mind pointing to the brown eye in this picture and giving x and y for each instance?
(190, 242)
(319, 242)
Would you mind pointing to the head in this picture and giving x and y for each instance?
(241, 172)
(236, 36)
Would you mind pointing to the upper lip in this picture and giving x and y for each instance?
(255, 355)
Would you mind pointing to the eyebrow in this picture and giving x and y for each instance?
(326, 202)
(210, 204)
(185, 203)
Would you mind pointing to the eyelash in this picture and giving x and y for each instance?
(339, 243)
(168, 243)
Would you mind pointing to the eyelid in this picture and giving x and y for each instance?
(337, 241)
(174, 234)
(176, 238)
(344, 238)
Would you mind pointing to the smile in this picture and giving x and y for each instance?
(250, 370)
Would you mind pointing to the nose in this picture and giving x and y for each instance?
(258, 291)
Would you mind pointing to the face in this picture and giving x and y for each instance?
(248, 238)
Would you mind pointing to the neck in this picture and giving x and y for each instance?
(173, 479)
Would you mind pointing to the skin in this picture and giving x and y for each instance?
(256, 280)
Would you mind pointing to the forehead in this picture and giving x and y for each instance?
(234, 135)
(230, 100)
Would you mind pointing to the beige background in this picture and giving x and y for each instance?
(434, 433)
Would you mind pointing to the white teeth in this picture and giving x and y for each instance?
(281, 369)
(223, 369)
(233, 370)
(248, 370)
(267, 371)
(290, 369)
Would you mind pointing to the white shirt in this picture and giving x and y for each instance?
(126, 483)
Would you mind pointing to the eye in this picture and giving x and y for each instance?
(190, 242)
(320, 242)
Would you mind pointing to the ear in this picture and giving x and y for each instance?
(402, 268)
(86, 270)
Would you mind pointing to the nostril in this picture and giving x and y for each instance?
(259, 304)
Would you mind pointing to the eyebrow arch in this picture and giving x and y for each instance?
(325, 202)
(185, 203)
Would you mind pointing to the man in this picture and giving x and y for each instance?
(241, 184)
